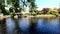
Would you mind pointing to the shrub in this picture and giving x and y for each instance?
(45, 10)
(53, 12)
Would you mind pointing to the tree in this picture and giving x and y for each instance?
(53, 11)
(2, 6)
(32, 5)
(24, 4)
(14, 3)
(45, 10)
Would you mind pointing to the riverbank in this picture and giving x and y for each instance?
(5, 16)
(30, 16)
(43, 16)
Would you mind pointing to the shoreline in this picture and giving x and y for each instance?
(44, 16)
(30, 16)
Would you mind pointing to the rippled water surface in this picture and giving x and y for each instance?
(30, 26)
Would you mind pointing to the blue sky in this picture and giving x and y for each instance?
(47, 3)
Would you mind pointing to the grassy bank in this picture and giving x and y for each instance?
(44, 16)
(31, 16)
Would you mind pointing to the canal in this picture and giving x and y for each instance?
(30, 26)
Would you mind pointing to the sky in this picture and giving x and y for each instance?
(47, 3)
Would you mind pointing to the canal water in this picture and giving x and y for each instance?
(30, 26)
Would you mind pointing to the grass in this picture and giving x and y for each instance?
(41, 15)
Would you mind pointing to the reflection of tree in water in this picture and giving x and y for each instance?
(47, 20)
(17, 29)
(2, 27)
(59, 25)
(33, 23)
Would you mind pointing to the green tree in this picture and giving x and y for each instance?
(2, 6)
(53, 11)
(24, 4)
(32, 5)
(14, 3)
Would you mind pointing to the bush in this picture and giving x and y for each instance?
(53, 12)
(33, 13)
(38, 13)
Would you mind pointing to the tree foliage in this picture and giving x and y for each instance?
(45, 10)
(32, 5)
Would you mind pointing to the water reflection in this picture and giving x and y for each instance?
(30, 26)
(33, 22)
(2, 27)
(47, 27)
(17, 29)
(24, 25)
(59, 26)
(10, 25)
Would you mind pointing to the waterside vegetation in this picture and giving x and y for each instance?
(19, 7)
